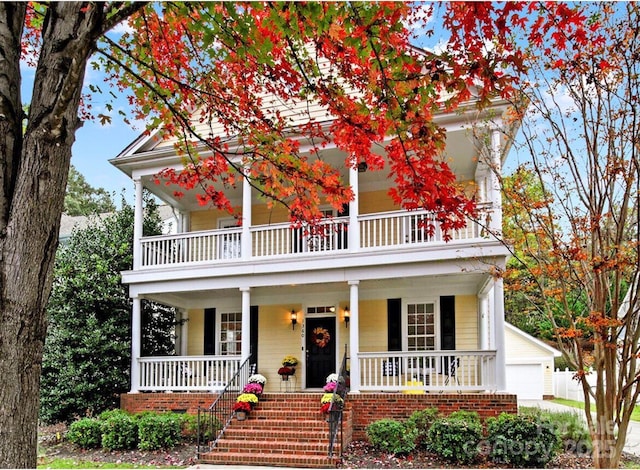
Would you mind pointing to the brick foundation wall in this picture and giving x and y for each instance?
(178, 402)
(370, 407)
(363, 408)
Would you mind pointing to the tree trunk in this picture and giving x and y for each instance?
(34, 176)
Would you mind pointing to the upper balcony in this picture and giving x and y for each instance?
(384, 231)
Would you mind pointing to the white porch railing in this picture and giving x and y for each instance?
(407, 228)
(193, 247)
(428, 371)
(186, 373)
(377, 231)
(282, 239)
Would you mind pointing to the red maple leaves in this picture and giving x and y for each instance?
(261, 90)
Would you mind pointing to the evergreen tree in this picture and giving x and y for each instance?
(87, 355)
(83, 199)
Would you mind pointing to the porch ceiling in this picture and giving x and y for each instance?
(460, 151)
(429, 286)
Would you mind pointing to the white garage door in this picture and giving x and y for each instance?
(526, 381)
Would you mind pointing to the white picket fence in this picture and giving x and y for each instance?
(565, 386)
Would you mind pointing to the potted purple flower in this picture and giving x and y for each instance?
(254, 388)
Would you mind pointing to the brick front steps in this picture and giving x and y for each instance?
(284, 430)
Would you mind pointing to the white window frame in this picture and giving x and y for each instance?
(405, 321)
(237, 341)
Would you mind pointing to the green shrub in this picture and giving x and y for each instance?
(521, 440)
(159, 431)
(119, 432)
(456, 437)
(421, 421)
(106, 415)
(392, 436)
(86, 433)
(470, 416)
(568, 426)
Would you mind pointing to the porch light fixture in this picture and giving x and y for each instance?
(347, 316)
(294, 319)
(362, 167)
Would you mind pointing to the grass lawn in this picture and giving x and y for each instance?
(635, 416)
(74, 463)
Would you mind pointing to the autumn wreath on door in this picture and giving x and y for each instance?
(321, 337)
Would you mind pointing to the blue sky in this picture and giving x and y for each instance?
(96, 144)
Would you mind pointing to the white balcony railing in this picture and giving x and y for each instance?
(282, 239)
(428, 371)
(376, 231)
(193, 247)
(186, 373)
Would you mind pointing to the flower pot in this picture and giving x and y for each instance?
(241, 415)
(285, 377)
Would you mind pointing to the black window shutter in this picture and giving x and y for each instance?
(448, 322)
(394, 324)
(209, 331)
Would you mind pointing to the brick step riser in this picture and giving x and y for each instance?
(307, 416)
(276, 447)
(302, 461)
(276, 435)
(283, 405)
(275, 441)
(259, 425)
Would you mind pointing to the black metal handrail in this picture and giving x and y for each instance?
(213, 421)
(338, 402)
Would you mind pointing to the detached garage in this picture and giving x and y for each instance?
(529, 365)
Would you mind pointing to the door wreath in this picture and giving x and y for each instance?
(321, 337)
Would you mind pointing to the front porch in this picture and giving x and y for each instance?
(387, 371)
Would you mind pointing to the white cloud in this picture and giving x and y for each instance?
(122, 28)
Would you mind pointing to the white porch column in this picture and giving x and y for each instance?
(136, 348)
(494, 189)
(498, 315)
(354, 230)
(354, 342)
(245, 344)
(138, 220)
(483, 322)
(184, 332)
(245, 244)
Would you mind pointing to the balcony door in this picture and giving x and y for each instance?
(320, 349)
(229, 243)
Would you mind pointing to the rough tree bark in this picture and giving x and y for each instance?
(34, 165)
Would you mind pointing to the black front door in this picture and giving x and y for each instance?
(321, 350)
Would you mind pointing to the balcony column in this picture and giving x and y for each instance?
(136, 346)
(354, 230)
(354, 341)
(495, 195)
(245, 344)
(245, 237)
(498, 315)
(138, 220)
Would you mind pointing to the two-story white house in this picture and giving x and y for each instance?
(402, 304)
